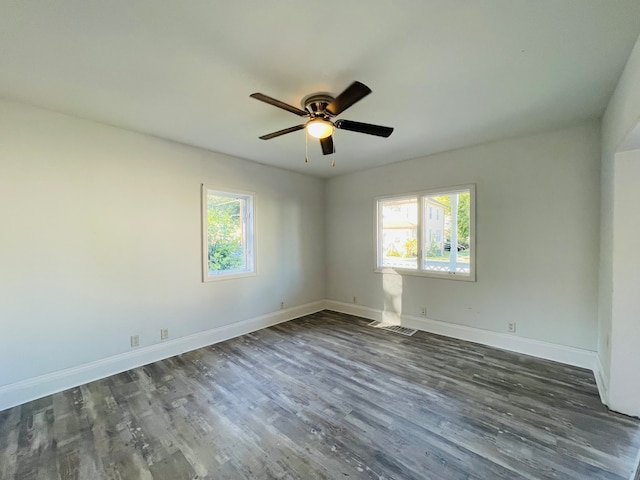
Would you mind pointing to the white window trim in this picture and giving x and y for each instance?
(426, 273)
(251, 242)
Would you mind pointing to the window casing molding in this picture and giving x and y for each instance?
(421, 232)
(248, 240)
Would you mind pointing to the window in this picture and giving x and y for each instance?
(413, 241)
(228, 242)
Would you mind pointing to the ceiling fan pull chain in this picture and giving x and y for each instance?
(306, 147)
(333, 160)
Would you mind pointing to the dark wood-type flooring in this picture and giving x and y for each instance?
(326, 396)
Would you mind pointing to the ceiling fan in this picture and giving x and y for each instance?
(320, 108)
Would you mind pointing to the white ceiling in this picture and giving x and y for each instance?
(445, 74)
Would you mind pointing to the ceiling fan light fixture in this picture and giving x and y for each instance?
(319, 128)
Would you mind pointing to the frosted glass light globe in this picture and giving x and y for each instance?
(319, 128)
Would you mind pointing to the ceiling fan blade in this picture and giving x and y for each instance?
(367, 128)
(279, 104)
(354, 93)
(269, 136)
(327, 145)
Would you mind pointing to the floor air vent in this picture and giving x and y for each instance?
(393, 328)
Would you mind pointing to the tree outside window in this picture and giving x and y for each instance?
(228, 226)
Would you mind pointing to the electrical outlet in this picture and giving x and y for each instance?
(355, 299)
(512, 327)
(424, 311)
(164, 334)
(281, 305)
(135, 340)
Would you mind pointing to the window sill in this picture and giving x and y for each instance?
(228, 276)
(423, 273)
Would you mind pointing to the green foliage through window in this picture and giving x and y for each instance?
(411, 248)
(464, 212)
(228, 233)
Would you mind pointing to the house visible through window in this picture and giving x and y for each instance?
(227, 234)
(414, 241)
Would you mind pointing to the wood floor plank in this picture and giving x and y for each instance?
(326, 397)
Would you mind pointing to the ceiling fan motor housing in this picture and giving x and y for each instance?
(316, 104)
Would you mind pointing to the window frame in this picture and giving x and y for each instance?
(419, 196)
(249, 222)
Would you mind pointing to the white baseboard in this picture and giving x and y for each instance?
(549, 351)
(602, 380)
(37, 387)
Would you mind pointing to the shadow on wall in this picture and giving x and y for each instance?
(392, 288)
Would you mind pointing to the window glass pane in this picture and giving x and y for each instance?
(434, 226)
(399, 233)
(447, 240)
(226, 233)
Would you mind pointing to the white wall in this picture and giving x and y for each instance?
(100, 239)
(621, 117)
(624, 390)
(537, 236)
